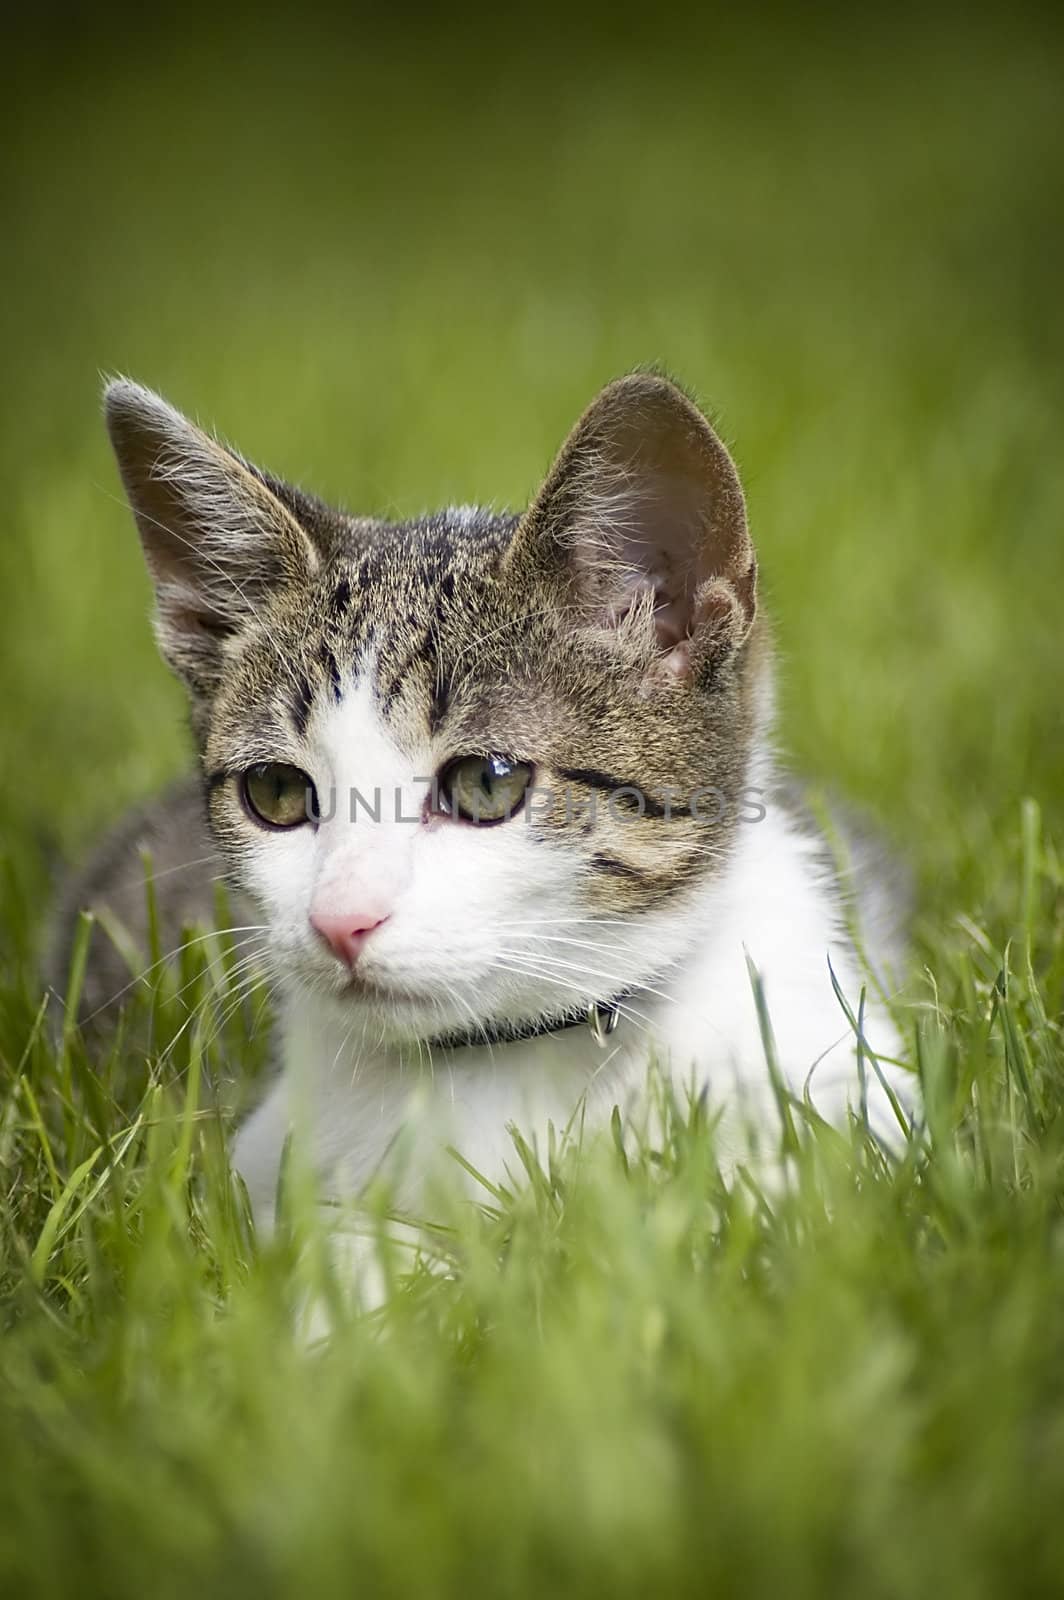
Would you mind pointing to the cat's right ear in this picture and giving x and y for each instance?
(215, 538)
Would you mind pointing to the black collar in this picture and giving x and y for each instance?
(600, 1018)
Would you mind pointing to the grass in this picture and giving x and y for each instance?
(395, 267)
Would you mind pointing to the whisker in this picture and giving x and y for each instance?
(167, 872)
(638, 1018)
(590, 972)
(245, 987)
(186, 944)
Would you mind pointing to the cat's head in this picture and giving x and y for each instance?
(472, 768)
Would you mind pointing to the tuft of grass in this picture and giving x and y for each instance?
(396, 275)
(623, 1369)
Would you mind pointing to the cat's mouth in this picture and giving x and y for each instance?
(367, 985)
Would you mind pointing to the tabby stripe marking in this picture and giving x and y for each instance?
(629, 795)
(615, 867)
(302, 700)
(332, 671)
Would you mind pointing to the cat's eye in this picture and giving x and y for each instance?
(278, 795)
(484, 788)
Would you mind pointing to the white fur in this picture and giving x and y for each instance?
(483, 924)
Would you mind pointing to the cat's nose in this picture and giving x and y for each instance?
(345, 935)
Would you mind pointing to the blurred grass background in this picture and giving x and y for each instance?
(394, 264)
(393, 261)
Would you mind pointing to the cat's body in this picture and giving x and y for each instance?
(537, 755)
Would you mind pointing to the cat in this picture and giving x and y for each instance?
(499, 793)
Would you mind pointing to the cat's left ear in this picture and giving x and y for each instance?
(642, 520)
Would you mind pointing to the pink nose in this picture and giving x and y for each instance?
(345, 935)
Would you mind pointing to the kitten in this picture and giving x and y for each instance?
(500, 791)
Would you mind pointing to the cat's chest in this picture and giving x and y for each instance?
(377, 1109)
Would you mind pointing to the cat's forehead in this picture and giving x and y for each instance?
(422, 564)
(470, 537)
(421, 591)
(415, 610)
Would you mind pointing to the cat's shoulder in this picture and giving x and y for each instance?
(164, 842)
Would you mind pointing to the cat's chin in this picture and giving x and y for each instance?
(398, 1010)
(400, 1014)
